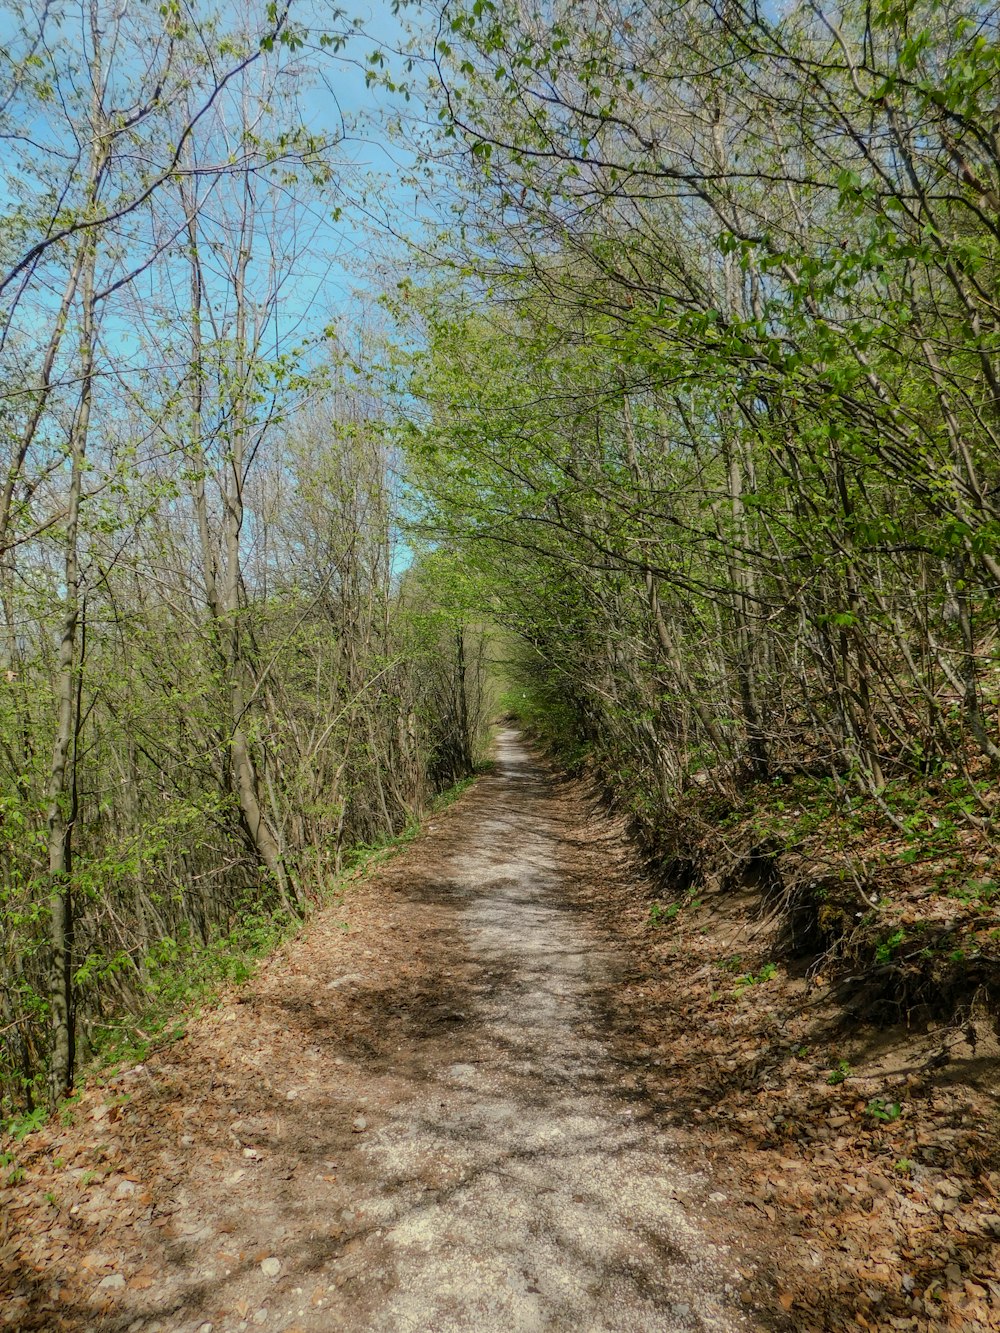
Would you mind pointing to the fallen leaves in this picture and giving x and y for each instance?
(821, 1185)
(848, 1236)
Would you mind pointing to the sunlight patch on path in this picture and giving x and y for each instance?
(563, 1210)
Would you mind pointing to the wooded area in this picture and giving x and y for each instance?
(711, 404)
(694, 364)
(217, 678)
(649, 435)
(730, 374)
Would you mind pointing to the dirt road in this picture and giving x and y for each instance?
(564, 1212)
(410, 1121)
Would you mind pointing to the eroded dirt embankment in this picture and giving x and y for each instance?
(424, 1114)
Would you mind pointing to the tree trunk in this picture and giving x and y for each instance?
(61, 787)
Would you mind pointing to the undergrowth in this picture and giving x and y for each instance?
(893, 897)
(182, 976)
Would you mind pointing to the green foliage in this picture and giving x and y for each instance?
(180, 973)
(840, 1072)
(978, 891)
(694, 439)
(887, 947)
(20, 1126)
(707, 438)
(883, 1112)
(544, 713)
(658, 914)
(184, 972)
(220, 667)
(748, 979)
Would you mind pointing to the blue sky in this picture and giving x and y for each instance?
(381, 165)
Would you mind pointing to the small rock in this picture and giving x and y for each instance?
(359, 1124)
(291, 1096)
(125, 1188)
(113, 1282)
(271, 1267)
(204, 1328)
(718, 1197)
(953, 1275)
(680, 1309)
(260, 1317)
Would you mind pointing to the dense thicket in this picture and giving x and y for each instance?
(711, 400)
(702, 382)
(729, 371)
(215, 678)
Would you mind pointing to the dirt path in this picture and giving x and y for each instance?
(564, 1210)
(410, 1121)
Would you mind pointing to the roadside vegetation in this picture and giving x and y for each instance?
(221, 670)
(710, 407)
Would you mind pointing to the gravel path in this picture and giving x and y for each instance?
(566, 1210)
(412, 1120)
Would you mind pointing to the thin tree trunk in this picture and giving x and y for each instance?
(259, 831)
(61, 785)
